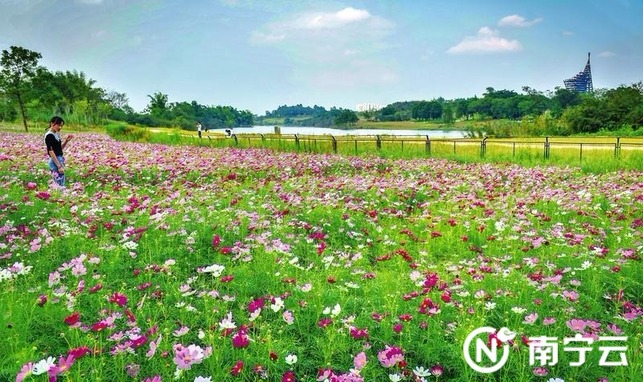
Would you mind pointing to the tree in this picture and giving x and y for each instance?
(158, 106)
(18, 68)
(346, 117)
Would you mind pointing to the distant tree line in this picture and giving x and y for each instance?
(317, 116)
(32, 92)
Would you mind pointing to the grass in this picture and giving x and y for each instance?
(156, 248)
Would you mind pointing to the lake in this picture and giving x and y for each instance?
(308, 130)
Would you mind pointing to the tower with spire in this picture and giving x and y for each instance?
(582, 82)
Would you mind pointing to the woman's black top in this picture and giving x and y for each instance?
(53, 142)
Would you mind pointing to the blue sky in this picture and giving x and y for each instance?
(258, 55)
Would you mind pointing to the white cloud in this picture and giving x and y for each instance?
(606, 54)
(330, 20)
(517, 21)
(486, 41)
(90, 2)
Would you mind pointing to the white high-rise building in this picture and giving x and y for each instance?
(368, 107)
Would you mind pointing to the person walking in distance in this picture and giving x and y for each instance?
(199, 128)
(55, 146)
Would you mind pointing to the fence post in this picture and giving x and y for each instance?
(427, 145)
(514, 149)
(236, 141)
(263, 139)
(581, 151)
(617, 148)
(334, 144)
(454, 147)
(297, 141)
(356, 147)
(378, 142)
(546, 155)
(483, 147)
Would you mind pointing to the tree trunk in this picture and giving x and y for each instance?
(22, 111)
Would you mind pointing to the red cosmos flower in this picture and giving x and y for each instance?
(273, 356)
(95, 288)
(139, 341)
(72, 319)
(44, 195)
(493, 337)
(227, 278)
(119, 299)
(42, 300)
(397, 328)
(288, 376)
(436, 234)
(321, 247)
(405, 317)
(240, 339)
(446, 296)
(255, 304)
(317, 235)
(331, 279)
(226, 250)
(237, 368)
(324, 322)
(437, 370)
(216, 240)
(100, 325)
(130, 315)
(358, 333)
(79, 352)
(431, 280)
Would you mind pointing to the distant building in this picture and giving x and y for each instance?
(368, 107)
(581, 82)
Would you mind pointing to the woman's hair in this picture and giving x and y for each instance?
(57, 121)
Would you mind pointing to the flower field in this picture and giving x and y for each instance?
(168, 262)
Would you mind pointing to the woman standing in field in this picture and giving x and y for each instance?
(55, 146)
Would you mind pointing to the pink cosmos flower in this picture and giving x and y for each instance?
(26, 370)
(549, 320)
(185, 357)
(360, 361)
(576, 325)
(531, 318)
(540, 371)
(390, 356)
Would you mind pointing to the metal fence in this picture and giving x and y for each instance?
(401, 143)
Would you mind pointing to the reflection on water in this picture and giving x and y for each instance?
(304, 130)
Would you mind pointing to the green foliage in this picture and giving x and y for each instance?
(124, 132)
(18, 69)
